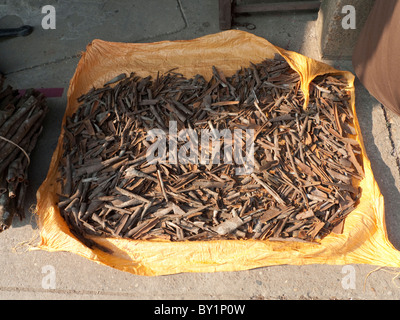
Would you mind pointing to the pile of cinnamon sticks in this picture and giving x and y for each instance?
(304, 175)
(21, 119)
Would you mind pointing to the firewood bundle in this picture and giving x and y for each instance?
(301, 187)
(21, 120)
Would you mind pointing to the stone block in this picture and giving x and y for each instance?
(335, 41)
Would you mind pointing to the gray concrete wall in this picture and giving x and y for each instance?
(335, 41)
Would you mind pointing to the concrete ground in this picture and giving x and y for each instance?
(48, 59)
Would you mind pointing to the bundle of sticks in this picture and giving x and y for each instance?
(301, 187)
(21, 120)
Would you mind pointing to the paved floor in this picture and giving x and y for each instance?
(48, 58)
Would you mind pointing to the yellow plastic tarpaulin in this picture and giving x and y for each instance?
(364, 240)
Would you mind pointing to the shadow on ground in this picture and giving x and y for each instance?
(367, 111)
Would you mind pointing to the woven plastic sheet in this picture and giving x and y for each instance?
(364, 239)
